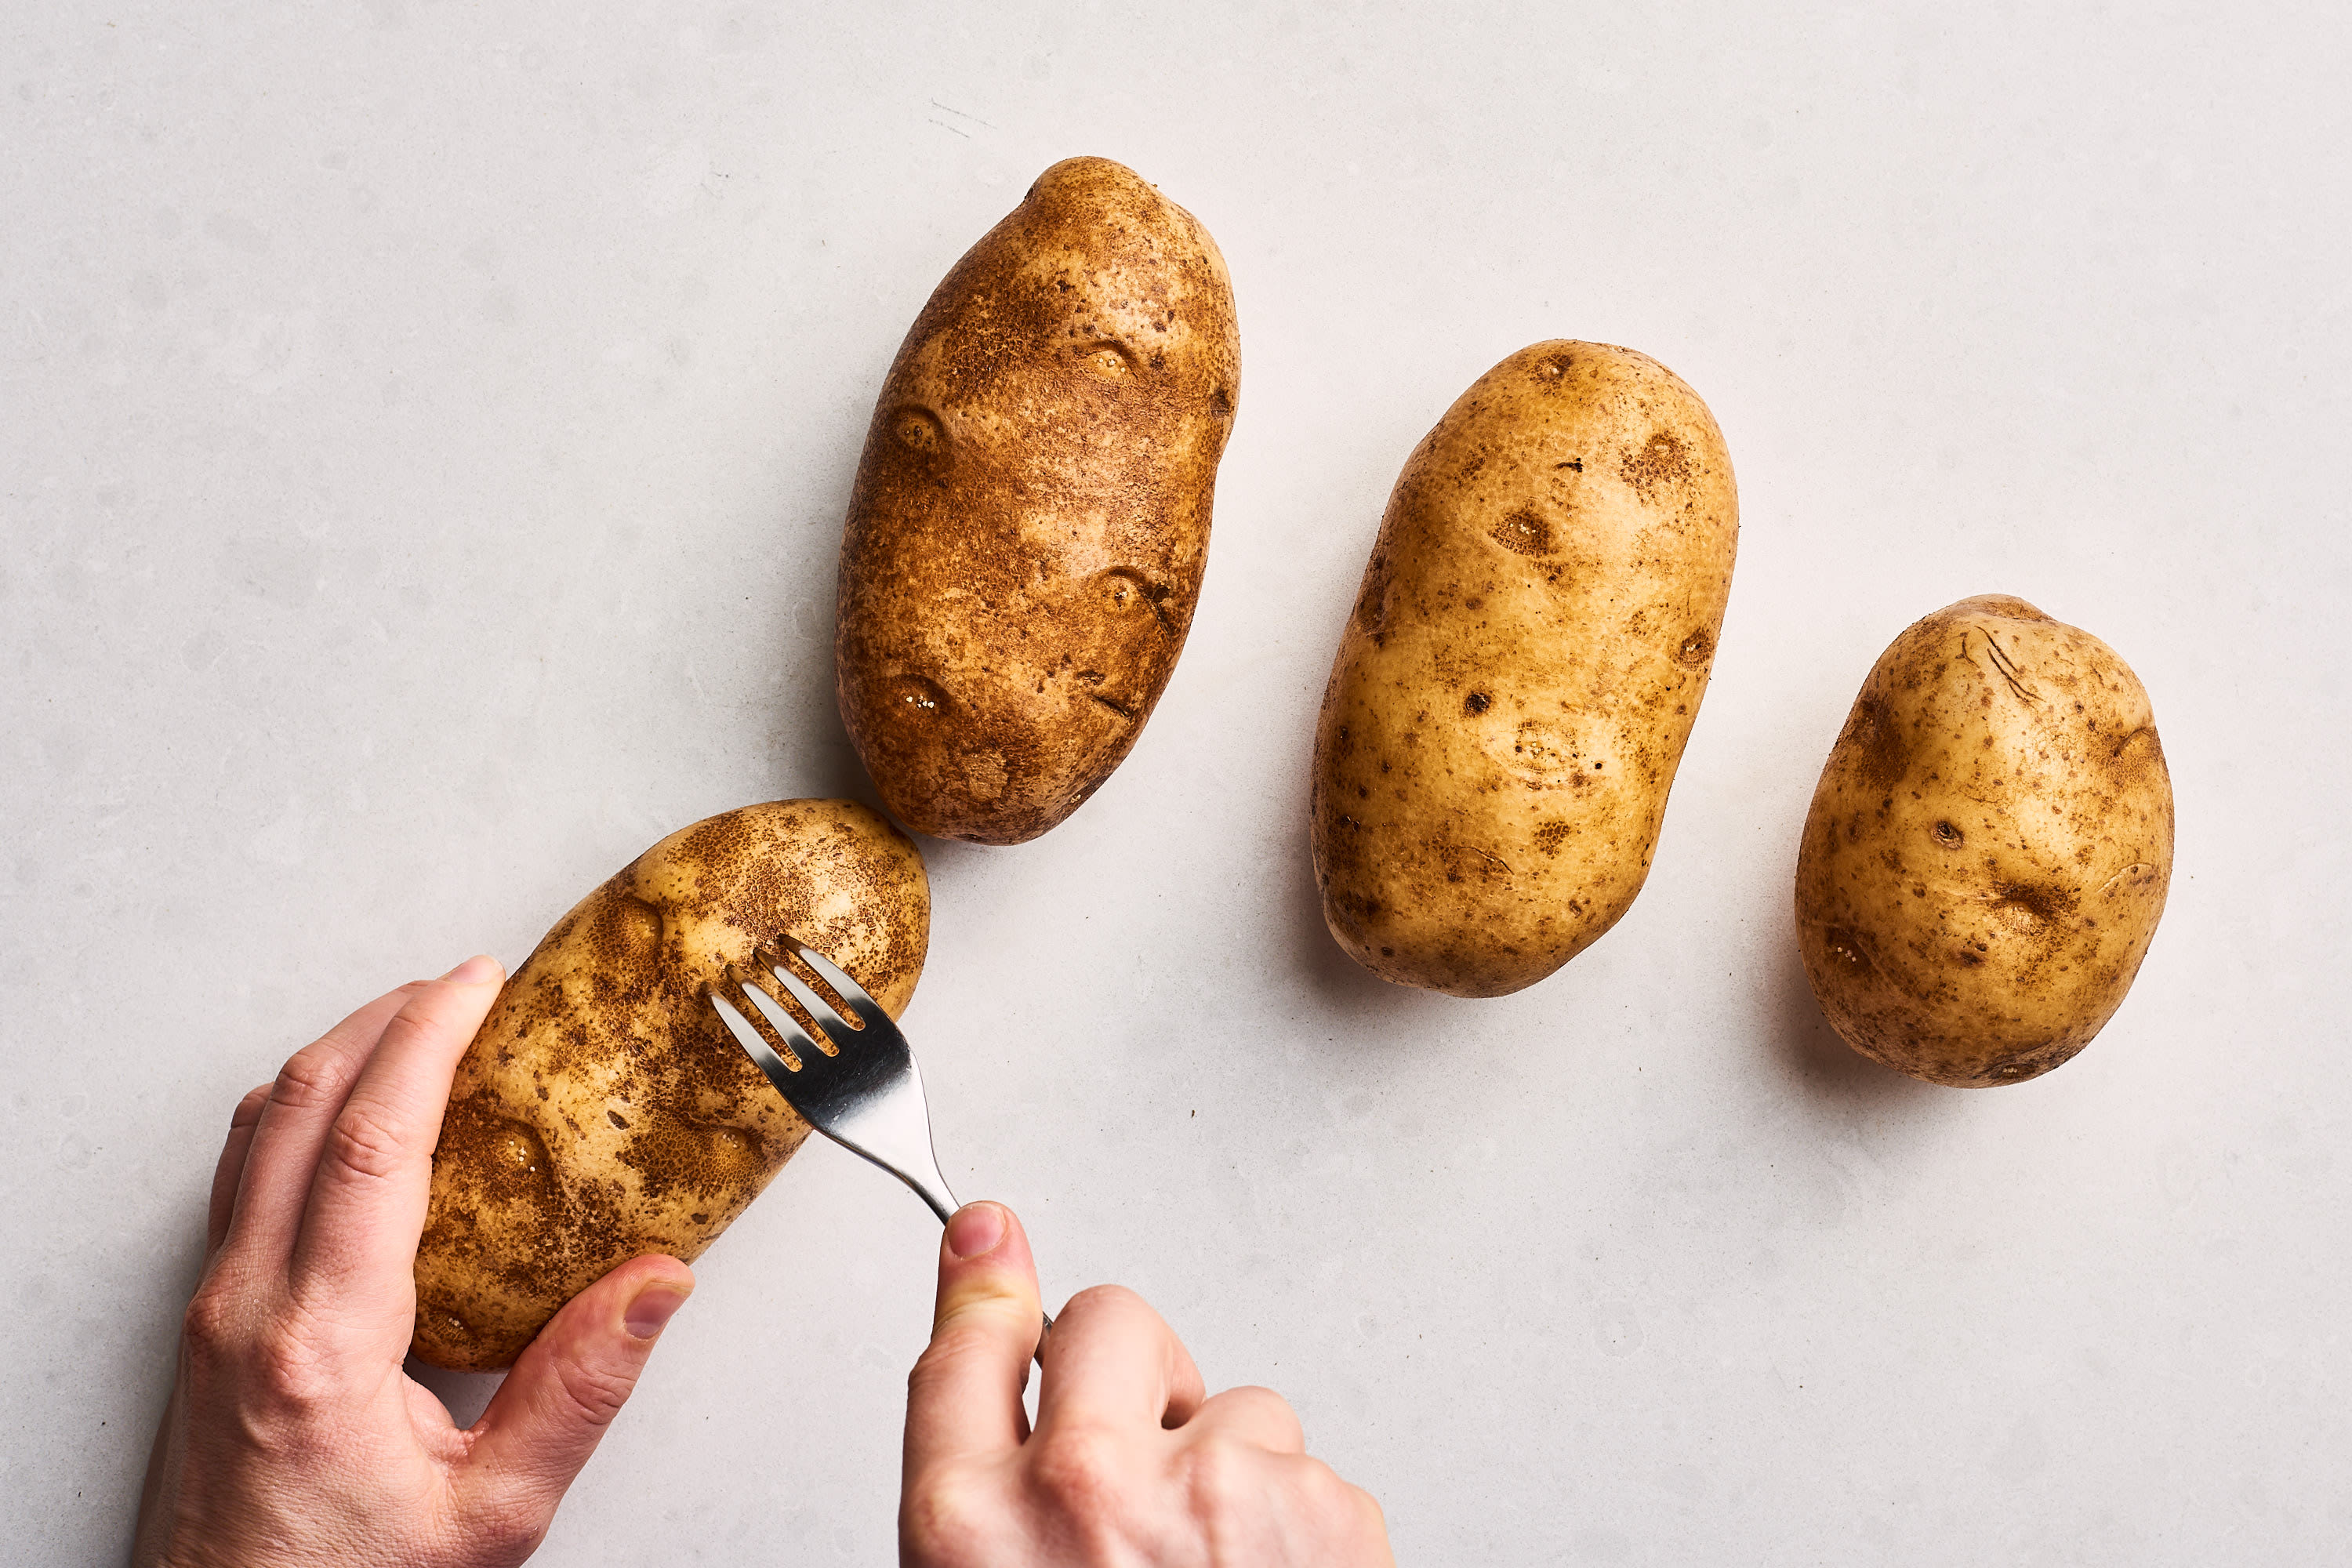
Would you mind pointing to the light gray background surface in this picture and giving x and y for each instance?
(425, 430)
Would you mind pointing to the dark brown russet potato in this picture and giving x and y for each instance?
(1031, 520)
(1526, 656)
(1989, 848)
(603, 1110)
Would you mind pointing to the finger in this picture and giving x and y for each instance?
(1256, 1415)
(284, 1153)
(358, 1241)
(566, 1387)
(1321, 1517)
(241, 1124)
(964, 1396)
(1371, 1523)
(1111, 1359)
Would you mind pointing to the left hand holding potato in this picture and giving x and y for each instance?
(293, 1435)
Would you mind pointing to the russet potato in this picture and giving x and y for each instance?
(1513, 693)
(1988, 848)
(603, 1110)
(1030, 524)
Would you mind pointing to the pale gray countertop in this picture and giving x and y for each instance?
(425, 431)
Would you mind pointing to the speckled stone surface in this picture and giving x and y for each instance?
(424, 435)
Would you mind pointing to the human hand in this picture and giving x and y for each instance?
(1129, 1463)
(293, 1435)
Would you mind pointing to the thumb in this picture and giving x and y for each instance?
(569, 1382)
(964, 1396)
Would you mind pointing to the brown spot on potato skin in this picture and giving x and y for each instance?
(1873, 736)
(658, 1131)
(1523, 533)
(1567, 611)
(1079, 364)
(1663, 461)
(1994, 826)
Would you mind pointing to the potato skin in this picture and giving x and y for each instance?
(1031, 520)
(1526, 658)
(603, 1110)
(1988, 848)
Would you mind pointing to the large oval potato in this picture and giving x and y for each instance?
(1514, 690)
(1031, 520)
(1988, 848)
(603, 1110)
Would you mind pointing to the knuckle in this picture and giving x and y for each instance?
(414, 1026)
(211, 1326)
(1340, 1509)
(249, 1110)
(594, 1394)
(1102, 1298)
(269, 1359)
(937, 1363)
(1263, 1402)
(1221, 1473)
(284, 1370)
(1076, 1472)
(312, 1077)
(957, 1342)
(366, 1143)
(505, 1536)
(944, 1523)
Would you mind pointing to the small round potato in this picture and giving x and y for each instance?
(1526, 659)
(1031, 520)
(603, 1110)
(1989, 848)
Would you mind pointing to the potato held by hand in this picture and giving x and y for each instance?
(1989, 848)
(1513, 693)
(1025, 542)
(603, 1110)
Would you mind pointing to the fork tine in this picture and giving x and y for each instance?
(838, 1027)
(784, 1023)
(752, 1041)
(869, 1012)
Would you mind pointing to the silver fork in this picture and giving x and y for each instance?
(865, 1093)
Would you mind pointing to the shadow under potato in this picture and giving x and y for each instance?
(1805, 1045)
(1351, 992)
(813, 756)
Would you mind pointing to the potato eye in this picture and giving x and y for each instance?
(1845, 951)
(1128, 589)
(913, 695)
(1106, 360)
(919, 430)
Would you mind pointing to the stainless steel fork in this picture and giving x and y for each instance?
(864, 1092)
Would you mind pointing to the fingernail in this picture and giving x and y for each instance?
(652, 1311)
(479, 969)
(975, 1229)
